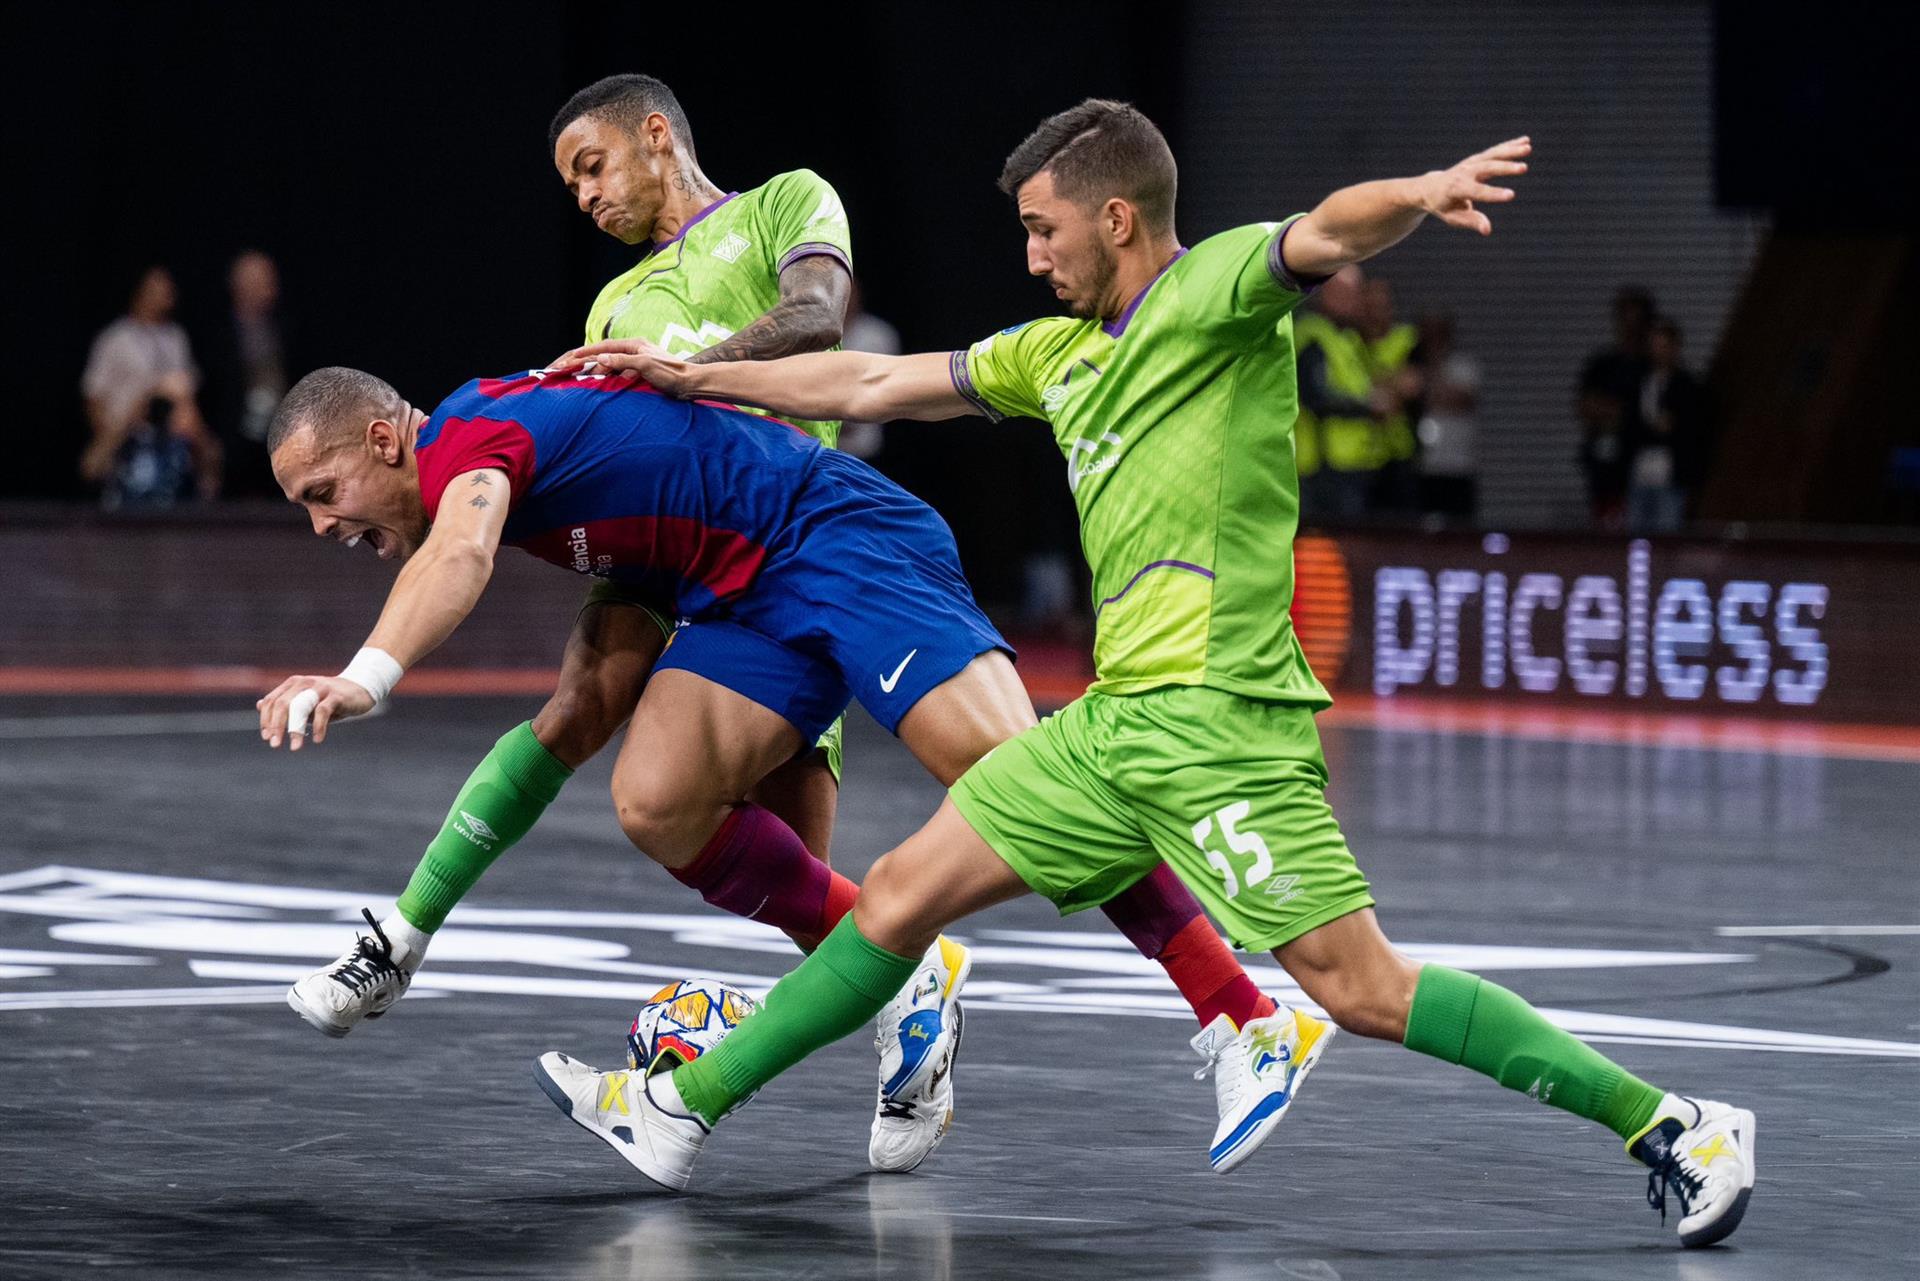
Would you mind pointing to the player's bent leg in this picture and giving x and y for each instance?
(694, 751)
(960, 720)
(611, 650)
(603, 671)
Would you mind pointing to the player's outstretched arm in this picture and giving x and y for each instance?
(1355, 223)
(434, 592)
(827, 384)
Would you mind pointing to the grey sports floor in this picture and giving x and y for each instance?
(162, 1113)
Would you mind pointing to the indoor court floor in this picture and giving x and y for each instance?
(1739, 924)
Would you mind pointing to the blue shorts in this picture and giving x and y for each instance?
(861, 597)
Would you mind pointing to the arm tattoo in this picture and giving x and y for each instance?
(480, 478)
(809, 316)
(479, 500)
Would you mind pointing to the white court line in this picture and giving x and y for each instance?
(139, 724)
(1811, 931)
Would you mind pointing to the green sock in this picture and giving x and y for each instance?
(503, 798)
(833, 993)
(1464, 1019)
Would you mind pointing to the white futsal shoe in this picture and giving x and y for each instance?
(640, 1117)
(1703, 1152)
(1256, 1072)
(918, 1037)
(365, 982)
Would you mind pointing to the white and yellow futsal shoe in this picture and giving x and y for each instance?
(641, 1117)
(1256, 1072)
(1703, 1152)
(918, 1037)
(365, 982)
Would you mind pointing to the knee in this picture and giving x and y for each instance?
(576, 723)
(1369, 999)
(653, 818)
(891, 915)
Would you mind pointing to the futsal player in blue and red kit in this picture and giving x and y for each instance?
(803, 579)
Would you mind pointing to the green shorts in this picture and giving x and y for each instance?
(1229, 791)
(607, 592)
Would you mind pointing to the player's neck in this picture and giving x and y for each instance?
(1137, 269)
(689, 193)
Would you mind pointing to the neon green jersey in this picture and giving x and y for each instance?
(1177, 424)
(722, 272)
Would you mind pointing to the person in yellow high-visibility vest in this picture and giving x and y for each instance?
(1338, 437)
(1390, 346)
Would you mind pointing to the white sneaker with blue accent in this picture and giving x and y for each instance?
(640, 1117)
(918, 1037)
(1257, 1070)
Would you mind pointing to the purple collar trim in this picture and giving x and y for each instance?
(1115, 328)
(688, 226)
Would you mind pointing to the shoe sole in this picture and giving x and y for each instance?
(946, 1122)
(315, 1017)
(629, 1152)
(1251, 1141)
(1722, 1228)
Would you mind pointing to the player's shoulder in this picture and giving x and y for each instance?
(1233, 243)
(1037, 340)
(793, 180)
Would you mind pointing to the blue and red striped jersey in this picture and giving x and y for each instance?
(680, 498)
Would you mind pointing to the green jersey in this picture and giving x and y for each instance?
(1177, 425)
(722, 272)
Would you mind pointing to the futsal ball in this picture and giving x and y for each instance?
(685, 1020)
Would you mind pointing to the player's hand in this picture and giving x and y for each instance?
(1451, 194)
(630, 360)
(303, 706)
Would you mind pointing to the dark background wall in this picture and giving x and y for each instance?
(393, 159)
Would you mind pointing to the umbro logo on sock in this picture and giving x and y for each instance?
(475, 829)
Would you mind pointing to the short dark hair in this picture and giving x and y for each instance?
(337, 403)
(1098, 150)
(627, 101)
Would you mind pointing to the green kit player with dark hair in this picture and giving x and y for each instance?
(1171, 393)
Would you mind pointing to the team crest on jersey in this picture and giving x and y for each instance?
(678, 340)
(730, 249)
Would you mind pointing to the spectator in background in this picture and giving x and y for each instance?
(247, 373)
(1339, 443)
(865, 331)
(1448, 394)
(1390, 346)
(1669, 454)
(1608, 405)
(150, 446)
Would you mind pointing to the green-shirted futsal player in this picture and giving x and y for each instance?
(713, 785)
(1171, 393)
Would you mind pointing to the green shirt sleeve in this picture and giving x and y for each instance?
(1000, 373)
(803, 217)
(1237, 280)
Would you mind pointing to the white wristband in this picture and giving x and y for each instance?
(375, 671)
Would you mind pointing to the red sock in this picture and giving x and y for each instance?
(1210, 977)
(756, 867)
(1163, 919)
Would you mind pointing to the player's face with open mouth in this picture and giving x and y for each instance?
(608, 171)
(1065, 249)
(354, 497)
